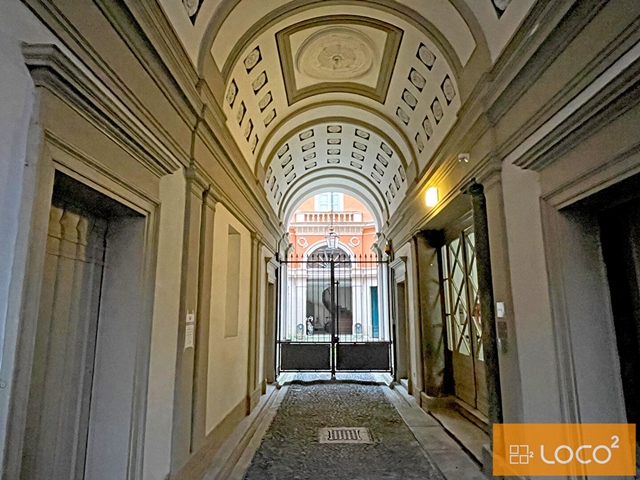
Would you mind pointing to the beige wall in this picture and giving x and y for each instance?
(228, 356)
(164, 335)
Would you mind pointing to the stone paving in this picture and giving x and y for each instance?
(290, 450)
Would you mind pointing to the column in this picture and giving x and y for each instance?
(485, 285)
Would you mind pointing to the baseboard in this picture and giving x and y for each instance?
(253, 399)
(197, 465)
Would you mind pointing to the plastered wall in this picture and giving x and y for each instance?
(157, 452)
(228, 356)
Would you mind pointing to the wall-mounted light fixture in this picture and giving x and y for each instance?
(431, 197)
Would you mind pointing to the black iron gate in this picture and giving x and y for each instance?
(334, 315)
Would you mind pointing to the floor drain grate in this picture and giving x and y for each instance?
(345, 435)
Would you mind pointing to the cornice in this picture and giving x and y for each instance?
(535, 46)
(571, 89)
(161, 53)
(619, 96)
(55, 19)
(51, 69)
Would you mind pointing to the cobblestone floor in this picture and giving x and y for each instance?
(291, 449)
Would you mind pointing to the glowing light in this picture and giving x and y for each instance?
(431, 197)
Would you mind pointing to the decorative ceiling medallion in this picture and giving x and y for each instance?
(448, 89)
(286, 161)
(309, 166)
(378, 169)
(428, 128)
(333, 160)
(388, 195)
(362, 134)
(419, 142)
(357, 156)
(254, 144)
(360, 146)
(232, 93)
(409, 99)
(306, 134)
(382, 160)
(334, 128)
(426, 56)
(392, 189)
(336, 53)
(436, 109)
(291, 179)
(385, 148)
(356, 165)
(403, 116)
(376, 178)
(283, 149)
(333, 151)
(248, 129)
(269, 118)
(397, 183)
(309, 156)
(402, 173)
(416, 79)
(259, 82)
(252, 59)
(334, 141)
(265, 101)
(308, 146)
(268, 175)
(242, 109)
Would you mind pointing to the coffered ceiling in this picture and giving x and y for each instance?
(354, 94)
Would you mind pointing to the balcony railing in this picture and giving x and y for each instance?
(326, 217)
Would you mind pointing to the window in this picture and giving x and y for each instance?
(324, 202)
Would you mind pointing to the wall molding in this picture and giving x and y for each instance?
(50, 68)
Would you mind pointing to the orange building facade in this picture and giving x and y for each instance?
(351, 220)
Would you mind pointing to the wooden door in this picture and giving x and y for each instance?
(463, 320)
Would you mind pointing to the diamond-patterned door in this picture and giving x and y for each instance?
(463, 320)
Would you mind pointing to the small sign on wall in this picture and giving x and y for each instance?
(189, 331)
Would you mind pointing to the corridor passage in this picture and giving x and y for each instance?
(297, 445)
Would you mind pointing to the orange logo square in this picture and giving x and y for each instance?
(564, 449)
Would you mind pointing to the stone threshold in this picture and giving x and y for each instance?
(453, 461)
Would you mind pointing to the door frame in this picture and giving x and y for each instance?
(53, 155)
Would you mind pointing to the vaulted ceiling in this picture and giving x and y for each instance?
(344, 94)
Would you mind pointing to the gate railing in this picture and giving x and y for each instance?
(334, 314)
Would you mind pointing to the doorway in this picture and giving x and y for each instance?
(82, 390)
(620, 237)
(463, 322)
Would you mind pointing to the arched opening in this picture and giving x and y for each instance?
(334, 300)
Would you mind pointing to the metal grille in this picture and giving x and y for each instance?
(344, 435)
(331, 299)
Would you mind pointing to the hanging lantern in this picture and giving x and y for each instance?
(332, 239)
